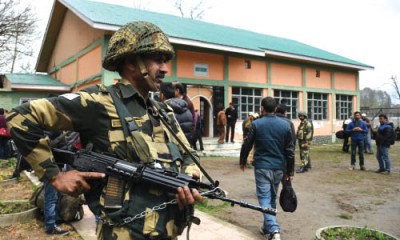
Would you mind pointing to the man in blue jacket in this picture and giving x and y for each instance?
(383, 138)
(357, 130)
(273, 160)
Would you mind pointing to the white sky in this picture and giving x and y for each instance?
(367, 31)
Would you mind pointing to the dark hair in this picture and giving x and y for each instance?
(357, 112)
(181, 87)
(1, 111)
(167, 89)
(384, 116)
(281, 108)
(269, 104)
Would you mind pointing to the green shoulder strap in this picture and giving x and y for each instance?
(130, 128)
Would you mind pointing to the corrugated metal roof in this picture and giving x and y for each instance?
(33, 79)
(189, 29)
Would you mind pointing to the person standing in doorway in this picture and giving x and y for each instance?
(221, 123)
(357, 130)
(231, 116)
(197, 130)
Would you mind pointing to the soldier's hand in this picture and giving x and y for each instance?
(186, 196)
(74, 182)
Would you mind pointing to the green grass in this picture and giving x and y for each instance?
(204, 207)
(353, 233)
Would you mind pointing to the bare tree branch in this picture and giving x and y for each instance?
(396, 86)
(18, 26)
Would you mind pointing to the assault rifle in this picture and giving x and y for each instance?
(120, 172)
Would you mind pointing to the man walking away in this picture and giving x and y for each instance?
(304, 135)
(383, 141)
(231, 116)
(273, 160)
(357, 130)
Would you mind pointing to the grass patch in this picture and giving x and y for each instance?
(15, 207)
(204, 207)
(353, 233)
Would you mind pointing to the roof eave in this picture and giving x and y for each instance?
(40, 87)
(201, 44)
(316, 60)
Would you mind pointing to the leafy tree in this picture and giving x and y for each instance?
(18, 27)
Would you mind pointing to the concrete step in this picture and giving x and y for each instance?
(213, 148)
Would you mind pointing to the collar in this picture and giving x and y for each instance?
(127, 90)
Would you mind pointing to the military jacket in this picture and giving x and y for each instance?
(304, 131)
(92, 113)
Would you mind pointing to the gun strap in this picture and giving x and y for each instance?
(161, 115)
(130, 128)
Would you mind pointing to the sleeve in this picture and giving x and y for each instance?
(365, 128)
(309, 130)
(349, 127)
(289, 153)
(247, 145)
(28, 122)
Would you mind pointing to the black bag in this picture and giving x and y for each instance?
(287, 198)
(340, 134)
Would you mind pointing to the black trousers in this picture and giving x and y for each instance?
(231, 127)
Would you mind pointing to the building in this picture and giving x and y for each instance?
(218, 64)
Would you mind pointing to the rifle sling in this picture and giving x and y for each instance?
(130, 128)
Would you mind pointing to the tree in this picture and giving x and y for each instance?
(18, 26)
(375, 98)
(396, 86)
(196, 9)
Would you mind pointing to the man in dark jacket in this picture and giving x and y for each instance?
(273, 159)
(231, 117)
(357, 130)
(180, 108)
(383, 137)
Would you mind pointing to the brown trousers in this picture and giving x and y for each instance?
(221, 131)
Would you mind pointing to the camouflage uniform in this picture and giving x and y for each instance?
(304, 135)
(93, 114)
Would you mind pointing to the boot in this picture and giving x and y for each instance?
(302, 169)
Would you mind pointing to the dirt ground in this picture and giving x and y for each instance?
(330, 194)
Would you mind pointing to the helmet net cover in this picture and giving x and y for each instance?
(302, 113)
(136, 38)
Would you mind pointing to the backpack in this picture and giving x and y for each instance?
(68, 208)
(393, 136)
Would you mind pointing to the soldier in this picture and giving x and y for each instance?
(139, 52)
(304, 135)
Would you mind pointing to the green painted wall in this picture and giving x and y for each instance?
(9, 99)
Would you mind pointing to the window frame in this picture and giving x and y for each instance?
(246, 100)
(344, 107)
(317, 106)
(291, 111)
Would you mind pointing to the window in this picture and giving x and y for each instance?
(25, 100)
(344, 106)
(247, 64)
(246, 100)
(317, 73)
(200, 70)
(291, 100)
(317, 106)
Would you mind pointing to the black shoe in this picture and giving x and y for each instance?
(232, 141)
(380, 170)
(302, 170)
(57, 231)
(362, 168)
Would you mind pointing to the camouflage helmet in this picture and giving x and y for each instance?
(302, 113)
(136, 38)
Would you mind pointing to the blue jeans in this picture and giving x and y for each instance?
(51, 196)
(382, 154)
(267, 183)
(368, 143)
(360, 145)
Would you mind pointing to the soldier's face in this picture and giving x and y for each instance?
(301, 117)
(156, 66)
